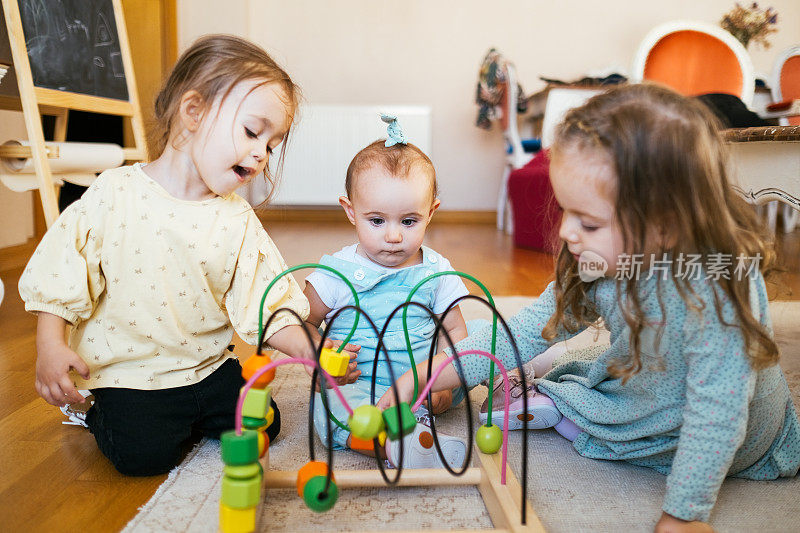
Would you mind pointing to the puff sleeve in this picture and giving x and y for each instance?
(63, 277)
(258, 264)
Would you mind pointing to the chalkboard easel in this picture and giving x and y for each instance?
(66, 55)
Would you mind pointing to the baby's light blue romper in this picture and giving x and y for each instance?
(379, 293)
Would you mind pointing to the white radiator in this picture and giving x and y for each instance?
(323, 142)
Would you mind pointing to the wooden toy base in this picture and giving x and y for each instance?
(502, 501)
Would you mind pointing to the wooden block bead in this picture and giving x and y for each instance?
(241, 493)
(309, 470)
(334, 363)
(270, 418)
(239, 449)
(236, 520)
(314, 497)
(257, 402)
(254, 363)
(365, 422)
(242, 471)
(360, 444)
(263, 443)
(256, 424)
(407, 421)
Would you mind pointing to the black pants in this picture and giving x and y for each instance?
(142, 431)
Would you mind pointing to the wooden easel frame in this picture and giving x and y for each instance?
(37, 101)
(502, 501)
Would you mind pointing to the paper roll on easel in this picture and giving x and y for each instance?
(76, 162)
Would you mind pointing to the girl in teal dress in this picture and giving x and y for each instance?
(656, 243)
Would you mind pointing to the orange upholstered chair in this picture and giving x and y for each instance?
(785, 85)
(695, 58)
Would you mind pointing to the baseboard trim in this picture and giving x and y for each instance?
(336, 214)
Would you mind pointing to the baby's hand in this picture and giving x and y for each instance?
(53, 382)
(670, 524)
(353, 372)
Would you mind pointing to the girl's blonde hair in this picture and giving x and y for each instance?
(213, 65)
(672, 180)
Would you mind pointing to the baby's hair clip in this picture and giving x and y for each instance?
(393, 131)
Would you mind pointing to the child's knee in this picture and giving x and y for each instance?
(141, 463)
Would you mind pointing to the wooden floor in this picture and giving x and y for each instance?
(53, 478)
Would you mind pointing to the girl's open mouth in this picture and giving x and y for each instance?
(243, 172)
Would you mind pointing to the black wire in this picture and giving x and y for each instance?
(317, 350)
(518, 359)
(439, 327)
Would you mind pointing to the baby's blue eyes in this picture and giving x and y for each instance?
(375, 221)
(408, 222)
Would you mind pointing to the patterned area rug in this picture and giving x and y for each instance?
(568, 492)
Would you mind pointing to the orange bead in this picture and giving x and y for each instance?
(252, 365)
(309, 470)
(360, 444)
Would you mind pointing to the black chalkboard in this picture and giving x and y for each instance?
(73, 46)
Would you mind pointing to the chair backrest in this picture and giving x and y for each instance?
(559, 101)
(786, 80)
(695, 58)
(509, 119)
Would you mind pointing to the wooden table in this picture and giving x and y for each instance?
(766, 163)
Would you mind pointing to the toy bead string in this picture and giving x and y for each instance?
(506, 393)
(494, 329)
(307, 362)
(262, 331)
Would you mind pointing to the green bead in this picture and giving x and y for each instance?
(239, 449)
(242, 471)
(241, 493)
(257, 402)
(254, 423)
(313, 490)
(407, 421)
(366, 422)
(489, 438)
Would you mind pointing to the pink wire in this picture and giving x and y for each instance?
(275, 364)
(505, 391)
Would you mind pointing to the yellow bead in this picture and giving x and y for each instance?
(236, 520)
(334, 363)
(382, 438)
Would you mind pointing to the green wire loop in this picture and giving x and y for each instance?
(344, 342)
(494, 329)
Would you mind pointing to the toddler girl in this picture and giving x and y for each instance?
(391, 197)
(657, 244)
(157, 264)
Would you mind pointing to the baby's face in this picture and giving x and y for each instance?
(390, 215)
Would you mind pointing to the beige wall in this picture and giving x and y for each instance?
(428, 52)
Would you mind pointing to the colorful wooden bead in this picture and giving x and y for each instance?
(236, 520)
(361, 444)
(257, 402)
(309, 470)
(239, 449)
(263, 443)
(334, 363)
(316, 499)
(241, 493)
(253, 364)
(489, 438)
(270, 418)
(242, 471)
(407, 421)
(382, 438)
(365, 422)
(254, 423)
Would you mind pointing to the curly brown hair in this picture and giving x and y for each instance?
(672, 176)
